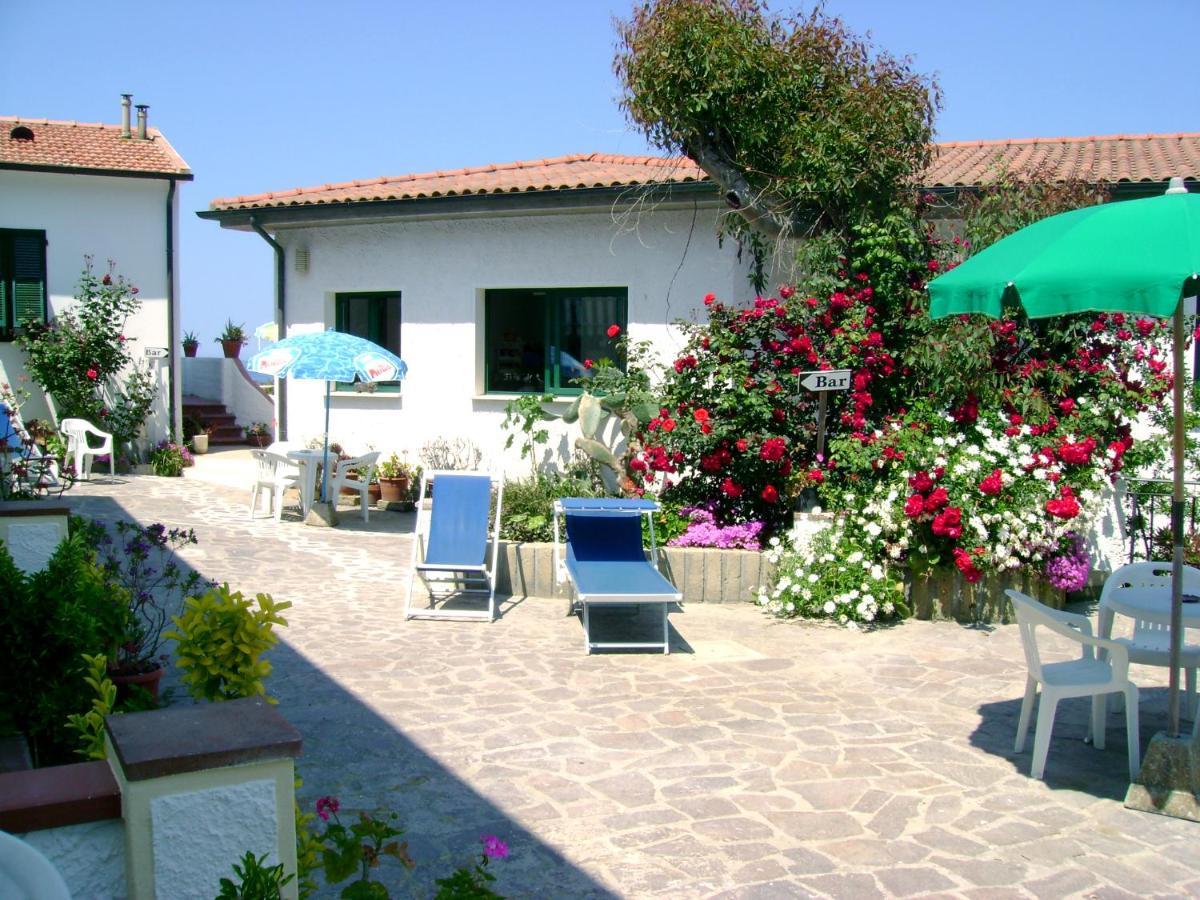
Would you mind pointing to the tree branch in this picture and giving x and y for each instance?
(738, 193)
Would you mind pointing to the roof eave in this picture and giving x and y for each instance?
(184, 175)
(539, 202)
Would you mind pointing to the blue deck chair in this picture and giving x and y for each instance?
(606, 564)
(450, 546)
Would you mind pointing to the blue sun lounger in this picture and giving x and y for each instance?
(450, 546)
(605, 562)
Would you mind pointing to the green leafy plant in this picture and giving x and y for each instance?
(395, 467)
(528, 504)
(190, 339)
(472, 882)
(256, 880)
(526, 416)
(51, 621)
(83, 358)
(258, 429)
(90, 725)
(169, 459)
(220, 639)
(232, 332)
(358, 849)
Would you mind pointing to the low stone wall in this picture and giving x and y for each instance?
(704, 575)
(947, 595)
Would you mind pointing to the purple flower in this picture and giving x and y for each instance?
(493, 847)
(705, 532)
(327, 805)
(1069, 570)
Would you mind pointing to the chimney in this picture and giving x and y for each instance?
(126, 99)
(141, 108)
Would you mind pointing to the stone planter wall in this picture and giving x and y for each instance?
(704, 575)
(947, 595)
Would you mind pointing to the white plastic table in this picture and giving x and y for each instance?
(309, 462)
(1150, 604)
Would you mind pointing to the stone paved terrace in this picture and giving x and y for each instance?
(760, 759)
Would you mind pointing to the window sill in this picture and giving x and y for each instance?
(563, 399)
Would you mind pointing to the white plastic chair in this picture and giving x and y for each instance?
(1083, 677)
(343, 474)
(81, 453)
(271, 478)
(1151, 641)
(31, 873)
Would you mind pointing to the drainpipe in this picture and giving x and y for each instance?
(173, 427)
(280, 320)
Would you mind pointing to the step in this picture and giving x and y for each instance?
(228, 431)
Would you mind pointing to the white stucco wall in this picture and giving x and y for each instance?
(89, 857)
(220, 379)
(443, 266)
(122, 219)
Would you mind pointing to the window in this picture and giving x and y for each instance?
(22, 278)
(537, 340)
(374, 316)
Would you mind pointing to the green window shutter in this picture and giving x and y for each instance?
(29, 285)
(4, 323)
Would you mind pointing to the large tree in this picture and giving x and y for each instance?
(805, 126)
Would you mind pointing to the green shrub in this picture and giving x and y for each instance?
(220, 639)
(529, 504)
(50, 621)
(256, 880)
(90, 725)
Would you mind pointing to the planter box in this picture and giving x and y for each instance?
(704, 575)
(947, 595)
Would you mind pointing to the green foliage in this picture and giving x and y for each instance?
(466, 884)
(358, 849)
(821, 127)
(169, 459)
(220, 639)
(83, 359)
(232, 332)
(90, 725)
(256, 880)
(51, 622)
(395, 467)
(529, 504)
(308, 846)
(525, 416)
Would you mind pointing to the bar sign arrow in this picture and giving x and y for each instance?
(830, 380)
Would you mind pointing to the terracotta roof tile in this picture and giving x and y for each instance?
(75, 146)
(1130, 158)
(1115, 158)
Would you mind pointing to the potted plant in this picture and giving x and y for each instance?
(191, 344)
(231, 339)
(140, 565)
(395, 476)
(258, 434)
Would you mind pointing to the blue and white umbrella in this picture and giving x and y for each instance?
(329, 356)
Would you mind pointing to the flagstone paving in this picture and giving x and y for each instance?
(760, 759)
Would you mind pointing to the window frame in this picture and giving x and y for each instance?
(551, 333)
(9, 327)
(340, 301)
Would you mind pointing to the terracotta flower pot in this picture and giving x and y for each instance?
(258, 440)
(190, 349)
(148, 680)
(231, 349)
(392, 490)
(374, 493)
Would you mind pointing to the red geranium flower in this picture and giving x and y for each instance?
(92, 373)
(921, 482)
(613, 330)
(948, 523)
(1065, 506)
(730, 489)
(936, 500)
(700, 415)
(770, 494)
(993, 484)
(587, 363)
(709, 299)
(914, 506)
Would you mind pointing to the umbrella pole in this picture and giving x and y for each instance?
(325, 458)
(1177, 502)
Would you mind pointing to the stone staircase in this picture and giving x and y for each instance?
(224, 428)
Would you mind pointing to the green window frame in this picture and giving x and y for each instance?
(537, 340)
(374, 315)
(22, 279)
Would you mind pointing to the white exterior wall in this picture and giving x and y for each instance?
(442, 268)
(122, 219)
(89, 857)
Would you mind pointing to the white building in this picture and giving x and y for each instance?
(70, 190)
(502, 279)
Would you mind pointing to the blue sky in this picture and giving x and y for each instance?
(262, 96)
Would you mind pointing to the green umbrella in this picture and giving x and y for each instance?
(1136, 256)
